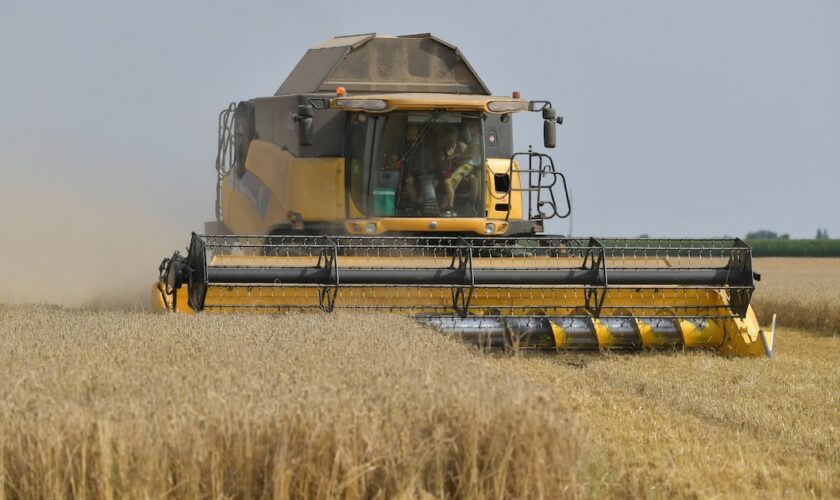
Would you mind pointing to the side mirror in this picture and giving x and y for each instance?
(548, 113)
(304, 122)
(549, 133)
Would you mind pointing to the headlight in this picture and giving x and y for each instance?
(506, 106)
(362, 104)
(370, 228)
(489, 228)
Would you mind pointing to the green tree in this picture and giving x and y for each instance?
(762, 234)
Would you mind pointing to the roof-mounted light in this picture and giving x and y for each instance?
(507, 106)
(362, 104)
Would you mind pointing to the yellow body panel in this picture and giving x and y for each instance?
(512, 197)
(353, 210)
(748, 339)
(430, 101)
(276, 183)
(177, 301)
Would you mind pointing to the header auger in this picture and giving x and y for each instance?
(394, 187)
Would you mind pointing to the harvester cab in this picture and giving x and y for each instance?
(381, 176)
(376, 135)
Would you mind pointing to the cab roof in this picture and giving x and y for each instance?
(374, 63)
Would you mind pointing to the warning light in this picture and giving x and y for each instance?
(516, 94)
(340, 91)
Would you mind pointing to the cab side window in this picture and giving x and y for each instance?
(358, 158)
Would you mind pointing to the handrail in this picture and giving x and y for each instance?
(541, 180)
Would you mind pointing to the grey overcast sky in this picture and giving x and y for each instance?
(703, 118)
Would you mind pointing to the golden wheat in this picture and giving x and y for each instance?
(115, 404)
(699, 425)
(803, 292)
(110, 404)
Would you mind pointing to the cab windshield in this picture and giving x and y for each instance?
(417, 164)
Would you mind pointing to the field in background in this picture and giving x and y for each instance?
(103, 404)
(804, 293)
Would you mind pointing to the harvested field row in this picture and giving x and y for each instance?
(697, 425)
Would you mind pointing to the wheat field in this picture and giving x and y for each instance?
(803, 292)
(115, 404)
(107, 404)
(696, 425)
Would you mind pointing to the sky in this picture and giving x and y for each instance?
(698, 118)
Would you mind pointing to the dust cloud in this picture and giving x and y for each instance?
(75, 250)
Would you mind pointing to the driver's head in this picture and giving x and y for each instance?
(473, 126)
(450, 137)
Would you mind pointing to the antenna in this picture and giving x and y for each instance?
(572, 213)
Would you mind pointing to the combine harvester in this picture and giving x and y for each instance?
(381, 176)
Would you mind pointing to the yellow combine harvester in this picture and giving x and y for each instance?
(381, 176)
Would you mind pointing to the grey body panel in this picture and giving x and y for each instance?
(311, 70)
(502, 133)
(384, 64)
(275, 123)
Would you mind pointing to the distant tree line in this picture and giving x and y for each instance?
(766, 234)
(766, 243)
